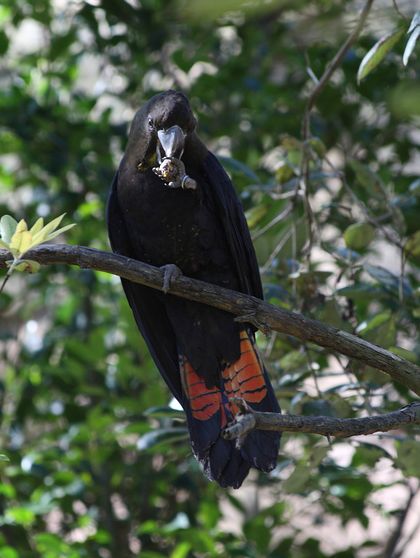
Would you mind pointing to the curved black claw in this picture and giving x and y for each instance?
(170, 271)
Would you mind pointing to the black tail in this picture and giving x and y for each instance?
(209, 410)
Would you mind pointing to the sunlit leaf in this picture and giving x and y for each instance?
(377, 53)
(411, 43)
(37, 226)
(60, 231)
(414, 22)
(42, 235)
(8, 226)
(19, 515)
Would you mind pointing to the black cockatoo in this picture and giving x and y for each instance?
(189, 216)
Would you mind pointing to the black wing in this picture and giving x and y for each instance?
(235, 227)
(148, 310)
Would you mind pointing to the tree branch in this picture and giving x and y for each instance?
(247, 420)
(247, 308)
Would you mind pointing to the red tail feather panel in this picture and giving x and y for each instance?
(204, 402)
(244, 378)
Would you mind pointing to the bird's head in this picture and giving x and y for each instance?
(161, 127)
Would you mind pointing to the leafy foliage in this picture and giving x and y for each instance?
(91, 470)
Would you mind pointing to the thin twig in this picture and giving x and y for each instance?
(4, 282)
(280, 217)
(395, 537)
(247, 420)
(303, 182)
(399, 12)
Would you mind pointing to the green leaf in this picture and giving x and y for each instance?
(366, 177)
(20, 515)
(412, 246)
(4, 43)
(293, 360)
(8, 226)
(284, 172)
(404, 353)
(161, 435)
(8, 552)
(359, 236)
(408, 457)
(318, 453)
(380, 329)
(318, 146)
(359, 291)
(367, 454)
(298, 479)
(254, 215)
(181, 551)
(388, 280)
(377, 53)
(164, 412)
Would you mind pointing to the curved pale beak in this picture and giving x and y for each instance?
(171, 143)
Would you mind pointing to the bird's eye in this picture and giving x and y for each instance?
(150, 123)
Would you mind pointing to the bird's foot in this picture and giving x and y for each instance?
(170, 271)
(251, 318)
(172, 172)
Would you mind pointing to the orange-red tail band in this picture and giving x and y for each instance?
(204, 402)
(244, 378)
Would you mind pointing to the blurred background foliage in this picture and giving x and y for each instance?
(97, 460)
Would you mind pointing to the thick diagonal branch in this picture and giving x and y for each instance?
(254, 310)
(248, 420)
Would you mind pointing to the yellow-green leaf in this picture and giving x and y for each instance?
(42, 235)
(358, 236)
(255, 214)
(38, 226)
(28, 265)
(16, 240)
(377, 53)
(284, 172)
(60, 231)
(404, 353)
(412, 246)
(25, 242)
